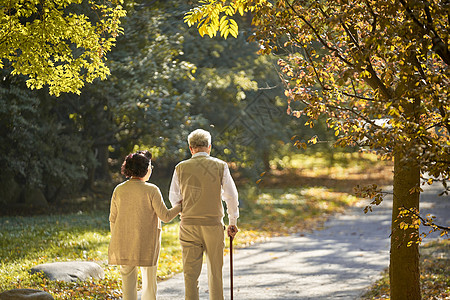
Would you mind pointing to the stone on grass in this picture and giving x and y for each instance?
(70, 271)
(25, 294)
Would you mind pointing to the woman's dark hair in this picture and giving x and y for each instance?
(136, 164)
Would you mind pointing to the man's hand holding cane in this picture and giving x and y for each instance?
(232, 230)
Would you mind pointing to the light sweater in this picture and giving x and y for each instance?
(137, 209)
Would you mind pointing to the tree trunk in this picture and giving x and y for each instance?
(404, 261)
(266, 159)
(102, 171)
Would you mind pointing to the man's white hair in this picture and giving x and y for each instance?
(199, 138)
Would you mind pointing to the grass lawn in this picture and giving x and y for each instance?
(296, 196)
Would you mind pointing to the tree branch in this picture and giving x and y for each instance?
(357, 96)
(416, 63)
(375, 82)
(374, 23)
(350, 34)
(356, 113)
(438, 45)
(330, 89)
(442, 123)
(315, 71)
(321, 40)
(425, 222)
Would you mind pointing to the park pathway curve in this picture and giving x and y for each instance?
(339, 262)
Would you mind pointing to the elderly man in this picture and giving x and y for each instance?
(202, 182)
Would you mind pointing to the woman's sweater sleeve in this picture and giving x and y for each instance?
(113, 211)
(165, 214)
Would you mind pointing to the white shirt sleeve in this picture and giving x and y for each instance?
(230, 196)
(175, 191)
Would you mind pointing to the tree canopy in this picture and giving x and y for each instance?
(372, 61)
(62, 44)
(379, 72)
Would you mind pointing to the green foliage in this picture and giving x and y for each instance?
(215, 16)
(61, 44)
(163, 83)
(239, 94)
(36, 151)
(141, 104)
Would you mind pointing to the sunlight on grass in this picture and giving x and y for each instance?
(336, 165)
(170, 260)
(29, 241)
(278, 211)
(323, 160)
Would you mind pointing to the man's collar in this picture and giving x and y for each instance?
(200, 154)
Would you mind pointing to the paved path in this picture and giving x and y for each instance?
(339, 262)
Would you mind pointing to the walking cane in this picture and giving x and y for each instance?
(231, 266)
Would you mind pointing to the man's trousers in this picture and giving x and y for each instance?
(129, 282)
(196, 240)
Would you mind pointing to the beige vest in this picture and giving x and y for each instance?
(200, 180)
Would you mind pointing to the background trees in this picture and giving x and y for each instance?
(163, 83)
(40, 147)
(378, 71)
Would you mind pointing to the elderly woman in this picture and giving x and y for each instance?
(136, 210)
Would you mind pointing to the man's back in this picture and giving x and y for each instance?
(200, 180)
